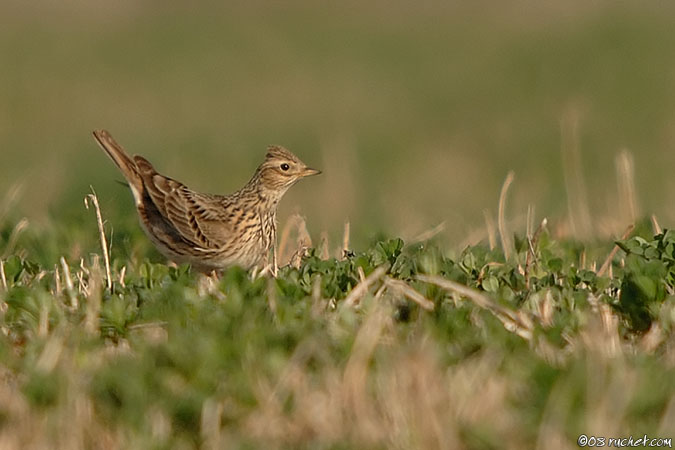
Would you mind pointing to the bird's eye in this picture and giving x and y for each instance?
(285, 167)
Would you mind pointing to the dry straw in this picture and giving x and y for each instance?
(625, 171)
(577, 196)
(507, 242)
(101, 232)
(514, 321)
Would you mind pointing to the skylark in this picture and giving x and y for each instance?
(210, 232)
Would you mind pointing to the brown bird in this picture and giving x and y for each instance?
(210, 232)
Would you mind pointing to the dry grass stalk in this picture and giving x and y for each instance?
(611, 255)
(490, 227)
(409, 399)
(667, 425)
(123, 272)
(51, 354)
(324, 253)
(303, 241)
(362, 288)
(318, 402)
(411, 294)
(532, 240)
(70, 289)
(611, 386)
(3, 278)
(625, 174)
(417, 402)
(652, 339)
(577, 197)
(210, 426)
(514, 321)
(91, 320)
(316, 290)
(58, 289)
(154, 332)
(362, 274)
(545, 309)
(296, 258)
(355, 376)
(43, 321)
(481, 233)
(14, 237)
(530, 220)
(601, 334)
(504, 233)
(208, 284)
(656, 228)
(345, 241)
(582, 259)
(429, 234)
(10, 200)
(272, 296)
(101, 235)
(427, 404)
(610, 383)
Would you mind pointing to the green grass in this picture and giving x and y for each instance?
(415, 112)
(542, 348)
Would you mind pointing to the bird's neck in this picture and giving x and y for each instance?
(256, 189)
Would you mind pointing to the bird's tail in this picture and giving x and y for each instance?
(122, 160)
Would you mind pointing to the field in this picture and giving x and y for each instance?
(489, 259)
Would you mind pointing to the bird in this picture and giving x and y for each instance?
(208, 231)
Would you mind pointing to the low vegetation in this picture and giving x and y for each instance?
(394, 346)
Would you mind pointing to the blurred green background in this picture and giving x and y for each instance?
(415, 111)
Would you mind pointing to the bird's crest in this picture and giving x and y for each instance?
(279, 152)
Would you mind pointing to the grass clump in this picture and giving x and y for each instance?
(395, 346)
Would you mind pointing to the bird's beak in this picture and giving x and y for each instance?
(309, 172)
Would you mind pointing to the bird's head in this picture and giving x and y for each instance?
(282, 169)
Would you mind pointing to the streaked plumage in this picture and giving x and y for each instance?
(209, 231)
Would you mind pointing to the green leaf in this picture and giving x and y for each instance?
(490, 284)
(13, 268)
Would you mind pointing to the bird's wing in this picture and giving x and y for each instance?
(200, 219)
